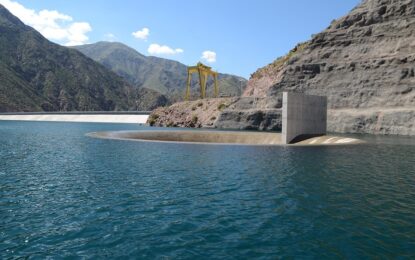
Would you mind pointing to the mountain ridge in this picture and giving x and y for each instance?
(38, 75)
(163, 75)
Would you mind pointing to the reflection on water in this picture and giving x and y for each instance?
(64, 194)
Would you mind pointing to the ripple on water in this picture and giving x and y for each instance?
(63, 195)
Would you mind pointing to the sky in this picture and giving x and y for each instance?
(232, 36)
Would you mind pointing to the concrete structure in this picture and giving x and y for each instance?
(219, 137)
(303, 116)
(133, 117)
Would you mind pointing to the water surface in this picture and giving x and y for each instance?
(63, 194)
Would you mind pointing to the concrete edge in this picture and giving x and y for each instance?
(117, 135)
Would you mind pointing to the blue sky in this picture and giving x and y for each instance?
(243, 34)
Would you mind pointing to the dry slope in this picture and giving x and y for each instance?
(364, 62)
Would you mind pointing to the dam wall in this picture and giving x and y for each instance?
(303, 116)
(133, 117)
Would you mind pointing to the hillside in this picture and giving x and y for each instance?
(38, 75)
(165, 76)
(363, 62)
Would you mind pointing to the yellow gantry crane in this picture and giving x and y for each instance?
(204, 72)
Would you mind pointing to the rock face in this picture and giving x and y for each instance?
(199, 113)
(249, 113)
(363, 62)
(255, 119)
(397, 121)
(225, 113)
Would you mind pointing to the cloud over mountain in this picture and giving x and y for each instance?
(209, 56)
(157, 49)
(52, 24)
(142, 34)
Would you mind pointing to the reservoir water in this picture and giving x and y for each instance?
(63, 194)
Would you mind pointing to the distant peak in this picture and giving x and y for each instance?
(110, 44)
(6, 17)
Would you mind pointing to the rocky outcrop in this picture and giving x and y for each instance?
(199, 113)
(396, 121)
(270, 120)
(223, 113)
(250, 113)
(364, 62)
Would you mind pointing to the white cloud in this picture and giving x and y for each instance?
(162, 49)
(110, 37)
(209, 56)
(77, 33)
(142, 34)
(52, 24)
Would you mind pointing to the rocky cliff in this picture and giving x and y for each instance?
(198, 113)
(246, 113)
(363, 62)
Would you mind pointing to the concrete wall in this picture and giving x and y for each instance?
(303, 116)
(139, 118)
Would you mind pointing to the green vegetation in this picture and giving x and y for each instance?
(222, 106)
(152, 119)
(194, 119)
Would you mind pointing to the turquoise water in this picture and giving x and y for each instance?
(63, 194)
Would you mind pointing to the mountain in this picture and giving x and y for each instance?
(38, 75)
(363, 62)
(165, 76)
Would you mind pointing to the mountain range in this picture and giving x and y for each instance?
(162, 75)
(38, 75)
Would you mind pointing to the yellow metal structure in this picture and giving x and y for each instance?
(204, 72)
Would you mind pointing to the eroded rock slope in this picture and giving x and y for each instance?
(364, 62)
